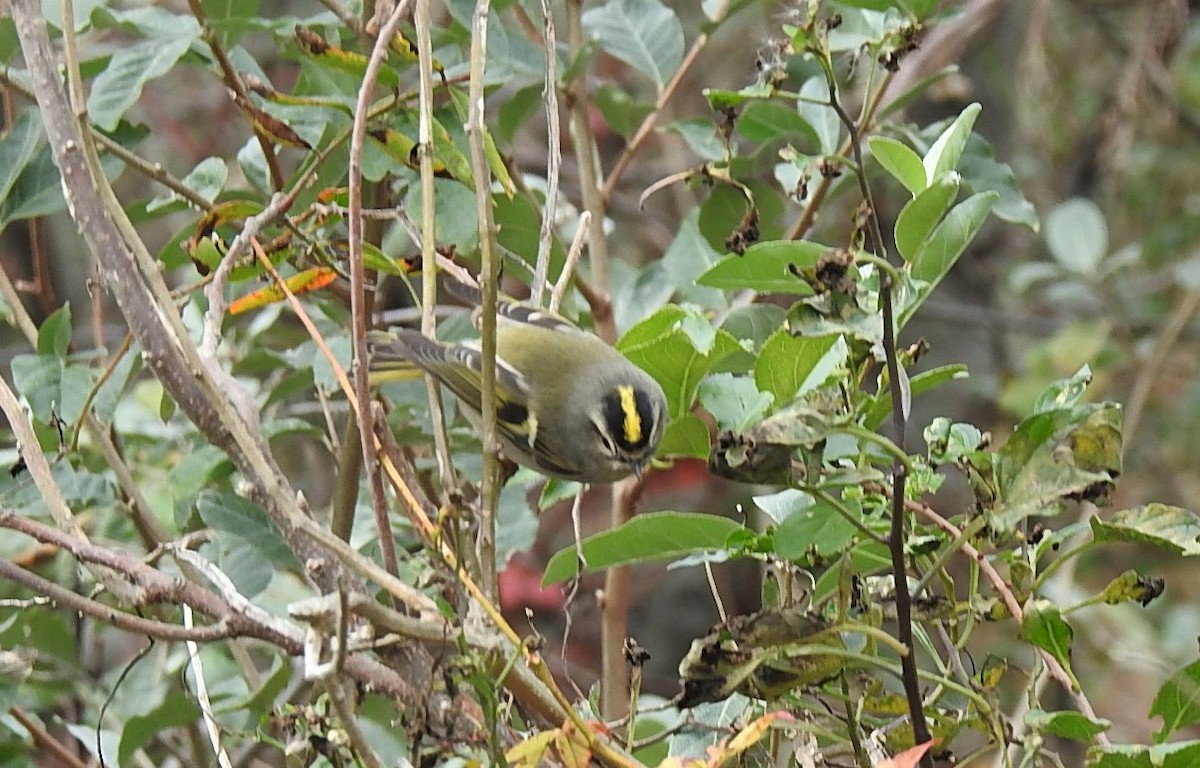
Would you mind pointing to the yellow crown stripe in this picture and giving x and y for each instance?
(633, 421)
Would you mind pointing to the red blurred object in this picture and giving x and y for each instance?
(521, 587)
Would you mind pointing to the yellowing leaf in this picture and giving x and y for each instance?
(308, 280)
(753, 733)
(529, 753)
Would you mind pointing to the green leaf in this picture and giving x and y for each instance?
(721, 100)
(1070, 453)
(724, 213)
(685, 437)
(622, 113)
(872, 5)
(53, 386)
(120, 84)
(1167, 527)
(678, 347)
(455, 216)
(1180, 754)
(262, 698)
(524, 104)
(253, 165)
(701, 137)
(54, 337)
(176, 710)
(645, 538)
(1066, 725)
(688, 257)
(519, 223)
(245, 566)
(921, 382)
(228, 513)
(37, 191)
(763, 121)
(943, 156)
(512, 57)
(207, 180)
(981, 171)
(767, 267)
(783, 504)
(516, 523)
(734, 401)
(920, 215)
(947, 242)
(1064, 393)
(901, 161)
(1132, 587)
(1077, 235)
(813, 536)
(790, 366)
(1178, 701)
(644, 34)
(1043, 625)
(949, 441)
(814, 108)
(754, 323)
(18, 147)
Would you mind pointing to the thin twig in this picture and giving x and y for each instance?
(490, 271)
(47, 741)
(206, 711)
(231, 79)
(553, 158)
(214, 292)
(576, 250)
(651, 120)
(1148, 372)
(358, 293)
(65, 598)
(897, 537)
(428, 243)
(1002, 589)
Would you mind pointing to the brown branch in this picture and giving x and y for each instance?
(897, 536)
(153, 585)
(64, 597)
(651, 120)
(485, 543)
(158, 587)
(1002, 589)
(235, 84)
(46, 740)
(359, 308)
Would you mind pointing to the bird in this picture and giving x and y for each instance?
(568, 405)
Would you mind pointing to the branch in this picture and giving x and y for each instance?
(896, 384)
(358, 293)
(197, 385)
(489, 275)
(428, 243)
(1055, 669)
(651, 120)
(553, 159)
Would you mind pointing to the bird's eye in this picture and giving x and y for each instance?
(604, 438)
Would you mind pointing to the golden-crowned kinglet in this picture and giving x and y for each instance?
(568, 405)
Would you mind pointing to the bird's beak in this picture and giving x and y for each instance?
(639, 468)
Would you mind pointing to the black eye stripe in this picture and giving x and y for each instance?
(630, 418)
(512, 413)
